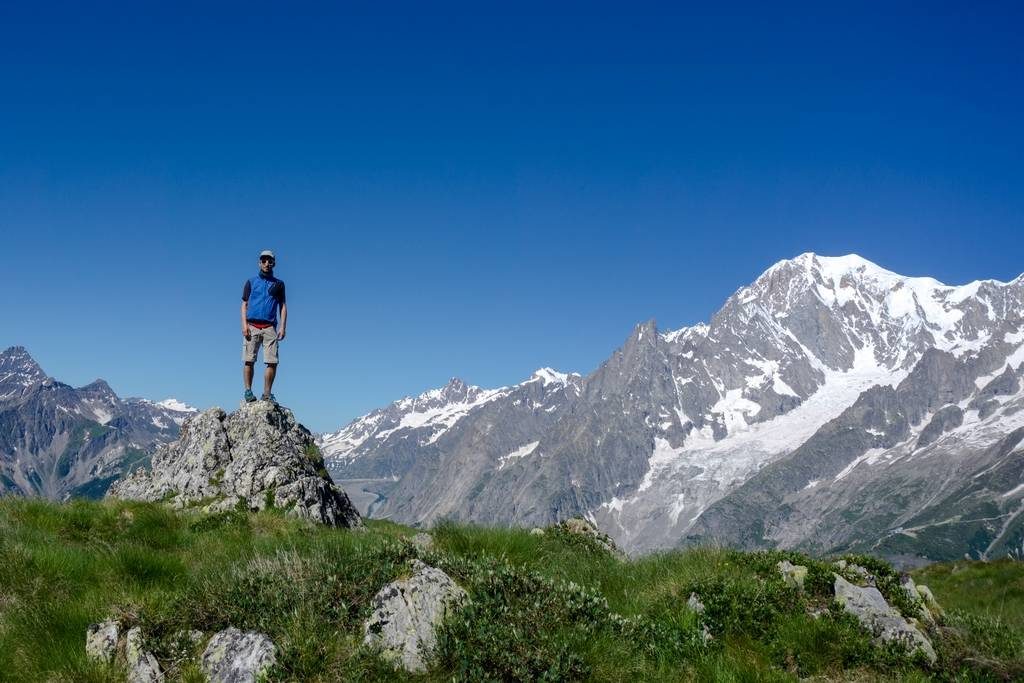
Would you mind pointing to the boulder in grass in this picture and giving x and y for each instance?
(407, 613)
(233, 656)
(101, 640)
(878, 616)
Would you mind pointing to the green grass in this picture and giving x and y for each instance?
(550, 607)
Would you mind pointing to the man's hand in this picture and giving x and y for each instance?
(280, 334)
(245, 332)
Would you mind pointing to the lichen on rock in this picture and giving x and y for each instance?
(233, 656)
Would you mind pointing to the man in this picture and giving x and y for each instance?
(262, 296)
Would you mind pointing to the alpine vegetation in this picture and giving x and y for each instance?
(829, 406)
(121, 590)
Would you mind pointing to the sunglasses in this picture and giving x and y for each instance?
(266, 259)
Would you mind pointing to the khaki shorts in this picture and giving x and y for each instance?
(268, 337)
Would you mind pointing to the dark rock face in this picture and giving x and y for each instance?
(58, 441)
(258, 456)
(816, 384)
(942, 421)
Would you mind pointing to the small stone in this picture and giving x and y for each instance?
(232, 656)
(536, 531)
(101, 640)
(694, 603)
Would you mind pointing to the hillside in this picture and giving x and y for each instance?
(554, 606)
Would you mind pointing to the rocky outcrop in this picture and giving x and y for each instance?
(258, 457)
(233, 656)
(879, 617)
(407, 613)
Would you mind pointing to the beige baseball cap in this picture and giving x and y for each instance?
(267, 252)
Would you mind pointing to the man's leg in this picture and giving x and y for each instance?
(247, 372)
(268, 378)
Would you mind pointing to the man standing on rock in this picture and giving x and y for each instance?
(262, 296)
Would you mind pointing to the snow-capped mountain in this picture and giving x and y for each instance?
(58, 441)
(693, 433)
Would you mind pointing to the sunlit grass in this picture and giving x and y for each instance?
(552, 606)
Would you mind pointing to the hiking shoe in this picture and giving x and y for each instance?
(249, 396)
(269, 397)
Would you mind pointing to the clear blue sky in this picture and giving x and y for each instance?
(453, 191)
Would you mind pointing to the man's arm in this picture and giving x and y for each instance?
(245, 324)
(284, 322)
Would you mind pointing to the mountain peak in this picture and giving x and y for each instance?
(18, 371)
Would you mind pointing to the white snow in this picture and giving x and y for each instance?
(549, 376)
(869, 457)
(175, 404)
(521, 452)
(661, 457)
(160, 424)
(735, 409)
(769, 370)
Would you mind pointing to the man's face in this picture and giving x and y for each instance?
(266, 264)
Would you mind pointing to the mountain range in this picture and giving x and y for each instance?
(58, 441)
(829, 406)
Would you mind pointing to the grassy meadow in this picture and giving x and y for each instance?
(551, 607)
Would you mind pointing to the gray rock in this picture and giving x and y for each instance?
(536, 531)
(142, 665)
(101, 640)
(258, 456)
(407, 613)
(232, 656)
(880, 618)
(947, 418)
(793, 574)
(695, 604)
